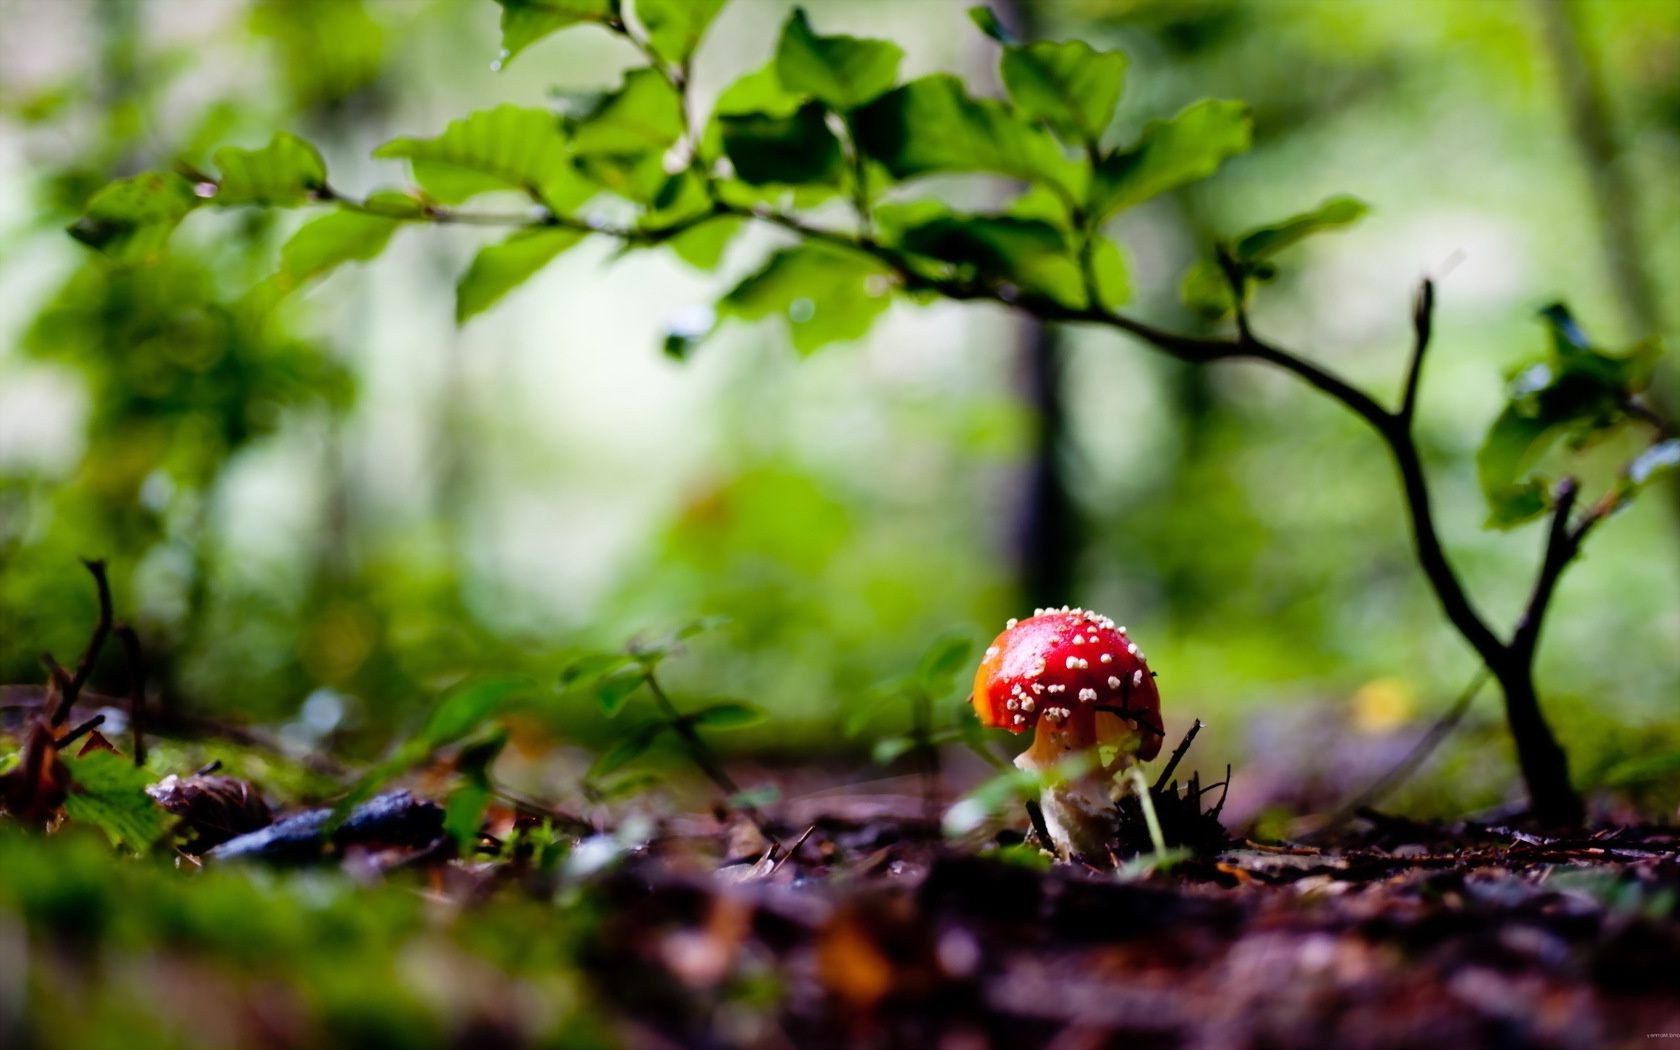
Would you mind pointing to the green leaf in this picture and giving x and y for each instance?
(843, 72)
(1113, 276)
(643, 116)
(1031, 255)
(508, 148)
(730, 714)
(132, 218)
(1205, 289)
(1641, 769)
(931, 126)
(886, 750)
(1071, 86)
(591, 666)
(987, 20)
(620, 140)
(759, 93)
(109, 792)
(826, 294)
(500, 268)
(322, 245)
(674, 27)
(766, 149)
(629, 747)
(282, 174)
(613, 689)
(1267, 241)
(703, 246)
(463, 815)
(948, 654)
(1578, 393)
(465, 708)
(1173, 152)
(1513, 444)
(524, 22)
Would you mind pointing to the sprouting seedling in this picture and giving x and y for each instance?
(1075, 679)
(922, 692)
(617, 677)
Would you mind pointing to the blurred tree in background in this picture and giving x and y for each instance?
(544, 479)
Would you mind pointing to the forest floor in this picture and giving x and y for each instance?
(861, 926)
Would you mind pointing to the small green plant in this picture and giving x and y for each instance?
(824, 144)
(615, 678)
(932, 688)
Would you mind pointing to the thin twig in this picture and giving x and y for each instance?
(703, 758)
(1562, 544)
(1423, 325)
(136, 689)
(1178, 755)
(80, 731)
(1237, 281)
(72, 687)
(1414, 758)
(1035, 814)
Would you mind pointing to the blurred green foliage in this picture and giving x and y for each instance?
(233, 957)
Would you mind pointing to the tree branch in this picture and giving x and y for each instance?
(1423, 324)
(71, 686)
(1562, 544)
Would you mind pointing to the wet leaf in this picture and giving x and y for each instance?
(108, 791)
(824, 294)
(768, 149)
(507, 148)
(931, 125)
(284, 173)
(500, 268)
(615, 688)
(1170, 153)
(1205, 289)
(947, 656)
(466, 708)
(732, 714)
(132, 218)
(675, 27)
(631, 745)
(524, 22)
(1070, 86)
(1577, 394)
(842, 72)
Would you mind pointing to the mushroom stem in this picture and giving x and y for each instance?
(1077, 803)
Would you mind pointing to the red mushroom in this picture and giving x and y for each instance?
(1080, 683)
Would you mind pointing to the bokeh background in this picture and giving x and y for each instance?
(321, 524)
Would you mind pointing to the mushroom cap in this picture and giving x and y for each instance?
(1064, 664)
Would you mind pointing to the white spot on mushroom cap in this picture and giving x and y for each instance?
(1113, 682)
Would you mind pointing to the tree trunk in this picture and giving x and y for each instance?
(1545, 767)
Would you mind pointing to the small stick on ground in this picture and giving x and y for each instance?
(1036, 815)
(1178, 755)
(80, 731)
